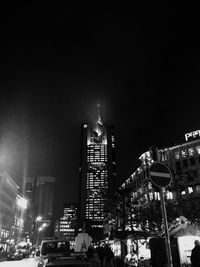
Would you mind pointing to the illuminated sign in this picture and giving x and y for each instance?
(192, 135)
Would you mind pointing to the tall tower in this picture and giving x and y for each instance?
(97, 174)
(40, 193)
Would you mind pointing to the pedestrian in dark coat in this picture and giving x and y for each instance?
(195, 255)
(109, 256)
(101, 254)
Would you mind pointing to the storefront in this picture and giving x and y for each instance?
(141, 246)
(115, 245)
(185, 240)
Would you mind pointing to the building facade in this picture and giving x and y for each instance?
(40, 194)
(67, 225)
(182, 195)
(17, 229)
(97, 173)
(8, 195)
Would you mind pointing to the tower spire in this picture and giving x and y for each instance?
(99, 121)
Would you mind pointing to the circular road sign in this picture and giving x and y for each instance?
(160, 174)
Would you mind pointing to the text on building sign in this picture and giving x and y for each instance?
(192, 135)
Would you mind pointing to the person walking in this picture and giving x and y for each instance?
(109, 255)
(195, 255)
(131, 259)
(101, 254)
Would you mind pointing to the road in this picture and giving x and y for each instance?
(30, 262)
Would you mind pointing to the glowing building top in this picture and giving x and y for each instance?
(97, 171)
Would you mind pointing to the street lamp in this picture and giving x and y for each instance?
(37, 220)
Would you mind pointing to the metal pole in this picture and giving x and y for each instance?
(167, 238)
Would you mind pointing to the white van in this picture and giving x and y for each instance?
(52, 248)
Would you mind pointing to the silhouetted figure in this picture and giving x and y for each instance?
(101, 254)
(95, 261)
(131, 259)
(90, 252)
(109, 256)
(195, 255)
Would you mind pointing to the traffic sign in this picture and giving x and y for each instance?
(160, 174)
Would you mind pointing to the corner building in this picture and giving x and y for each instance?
(97, 175)
(67, 224)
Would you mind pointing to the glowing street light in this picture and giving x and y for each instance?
(38, 219)
(44, 225)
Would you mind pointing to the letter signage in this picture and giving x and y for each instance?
(192, 135)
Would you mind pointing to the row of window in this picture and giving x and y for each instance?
(190, 190)
(4, 233)
(187, 152)
(186, 163)
(67, 230)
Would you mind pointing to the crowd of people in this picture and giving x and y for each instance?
(103, 256)
(100, 256)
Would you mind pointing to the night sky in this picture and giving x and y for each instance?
(140, 62)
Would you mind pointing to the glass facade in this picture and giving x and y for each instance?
(97, 172)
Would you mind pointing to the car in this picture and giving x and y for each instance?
(68, 262)
(15, 255)
(56, 252)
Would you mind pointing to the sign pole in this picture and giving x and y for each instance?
(160, 175)
(167, 238)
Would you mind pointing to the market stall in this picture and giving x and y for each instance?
(185, 233)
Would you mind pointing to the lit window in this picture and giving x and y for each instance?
(191, 151)
(177, 155)
(190, 190)
(198, 149)
(198, 188)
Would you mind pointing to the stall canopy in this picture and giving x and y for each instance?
(184, 228)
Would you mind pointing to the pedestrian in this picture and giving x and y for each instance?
(109, 255)
(94, 260)
(118, 262)
(101, 254)
(131, 259)
(195, 255)
(90, 252)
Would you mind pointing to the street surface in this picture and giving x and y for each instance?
(30, 262)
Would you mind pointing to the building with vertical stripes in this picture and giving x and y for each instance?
(97, 173)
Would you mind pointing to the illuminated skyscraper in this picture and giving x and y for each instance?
(67, 224)
(40, 195)
(97, 173)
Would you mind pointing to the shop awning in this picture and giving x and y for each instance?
(189, 229)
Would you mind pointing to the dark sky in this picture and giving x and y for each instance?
(140, 62)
